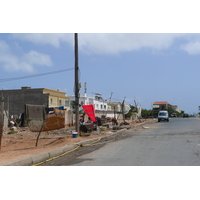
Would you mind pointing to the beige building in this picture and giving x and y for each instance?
(57, 98)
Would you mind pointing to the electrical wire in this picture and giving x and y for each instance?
(35, 75)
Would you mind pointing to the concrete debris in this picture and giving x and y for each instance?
(13, 128)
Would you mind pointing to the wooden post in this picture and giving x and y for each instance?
(123, 110)
(39, 133)
(1, 118)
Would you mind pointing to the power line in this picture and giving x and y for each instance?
(35, 75)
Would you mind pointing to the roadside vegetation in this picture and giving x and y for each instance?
(145, 114)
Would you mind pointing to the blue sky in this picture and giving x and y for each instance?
(147, 67)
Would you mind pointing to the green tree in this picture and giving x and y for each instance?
(146, 113)
(182, 112)
(170, 110)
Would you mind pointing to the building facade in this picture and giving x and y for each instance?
(176, 108)
(99, 103)
(15, 100)
(57, 98)
(161, 105)
(102, 107)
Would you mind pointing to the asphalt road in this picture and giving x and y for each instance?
(173, 143)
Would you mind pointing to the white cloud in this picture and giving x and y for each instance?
(53, 39)
(34, 57)
(192, 47)
(104, 43)
(114, 43)
(26, 62)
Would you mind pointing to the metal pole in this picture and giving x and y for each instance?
(109, 103)
(76, 83)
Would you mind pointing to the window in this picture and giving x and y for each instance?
(67, 103)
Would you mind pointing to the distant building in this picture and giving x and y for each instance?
(102, 107)
(161, 105)
(117, 107)
(176, 108)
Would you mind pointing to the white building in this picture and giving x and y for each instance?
(101, 106)
(176, 108)
(99, 103)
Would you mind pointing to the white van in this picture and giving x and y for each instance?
(163, 115)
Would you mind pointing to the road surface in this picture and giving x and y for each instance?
(173, 143)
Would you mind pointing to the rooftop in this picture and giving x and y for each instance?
(160, 103)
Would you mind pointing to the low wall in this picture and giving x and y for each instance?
(70, 117)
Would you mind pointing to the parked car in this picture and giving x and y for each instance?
(163, 115)
(185, 115)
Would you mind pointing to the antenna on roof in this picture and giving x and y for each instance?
(85, 88)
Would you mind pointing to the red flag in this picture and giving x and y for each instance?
(90, 111)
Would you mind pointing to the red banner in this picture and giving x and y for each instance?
(90, 111)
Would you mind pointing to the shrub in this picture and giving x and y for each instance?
(12, 132)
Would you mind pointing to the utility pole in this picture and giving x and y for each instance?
(110, 97)
(77, 85)
(1, 118)
(109, 103)
(136, 106)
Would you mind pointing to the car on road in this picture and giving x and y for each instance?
(163, 115)
(185, 115)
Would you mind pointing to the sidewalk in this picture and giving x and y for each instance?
(35, 155)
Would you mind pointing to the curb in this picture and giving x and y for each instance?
(40, 157)
(37, 158)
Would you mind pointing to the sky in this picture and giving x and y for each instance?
(145, 67)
